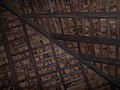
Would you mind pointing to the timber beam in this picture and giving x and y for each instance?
(87, 39)
(82, 15)
(102, 60)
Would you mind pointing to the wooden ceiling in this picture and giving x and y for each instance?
(60, 44)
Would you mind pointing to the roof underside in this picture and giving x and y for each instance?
(60, 44)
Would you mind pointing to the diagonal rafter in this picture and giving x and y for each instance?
(32, 58)
(9, 56)
(41, 30)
